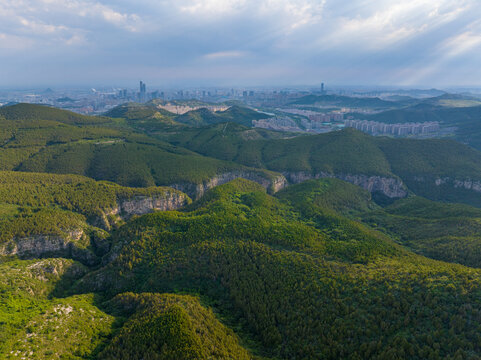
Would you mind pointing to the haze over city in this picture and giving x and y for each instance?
(430, 43)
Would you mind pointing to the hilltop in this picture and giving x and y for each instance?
(236, 114)
(34, 112)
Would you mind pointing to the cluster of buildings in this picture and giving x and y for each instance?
(280, 123)
(320, 123)
(326, 117)
(378, 128)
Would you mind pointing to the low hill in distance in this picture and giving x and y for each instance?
(236, 114)
(144, 117)
(34, 112)
(150, 116)
(345, 101)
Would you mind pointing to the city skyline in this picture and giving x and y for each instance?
(240, 43)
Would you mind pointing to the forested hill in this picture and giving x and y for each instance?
(33, 112)
(345, 101)
(241, 269)
(41, 139)
(236, 114)
(434, 168)
(151, 117)
(134, 151)
(328, 288)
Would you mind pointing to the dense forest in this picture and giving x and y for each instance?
(147, 235)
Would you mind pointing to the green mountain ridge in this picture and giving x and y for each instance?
(320, 269)
(272, 271)
(235, 113)
(112, 152)
(344, 101)
(418, 163)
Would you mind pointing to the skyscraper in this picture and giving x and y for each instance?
(142, 93)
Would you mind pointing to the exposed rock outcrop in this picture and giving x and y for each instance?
(71, 245)
(389, 186)
(140, 205)
(45, 269)
(466, 184)
(196, 191)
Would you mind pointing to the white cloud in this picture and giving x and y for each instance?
(13, 42)
(460, 44)
(211, 7)
(290, 14)
(407, 39)
(391, 22)
(53, 16)
(225, 54)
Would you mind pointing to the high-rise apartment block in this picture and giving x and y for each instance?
(403, 129)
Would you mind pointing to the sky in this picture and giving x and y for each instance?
(411, 43)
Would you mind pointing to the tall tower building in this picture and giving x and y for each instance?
(322, 88)
(142, 93)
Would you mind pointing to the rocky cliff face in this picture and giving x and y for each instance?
(139, 205)
(466, 184)
(71, 245)
(391, 187)
(196, 191)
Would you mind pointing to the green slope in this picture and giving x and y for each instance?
(70, 328)
(346, 151)
(236, 114)
(144, 117)
(34, 325)
(291, 285)
(345, 101)
(115, 153)
(448, 232)
(442, 231)
(418, 163)
(42, 112)
(170, 326)
(226, 141)
(328, 194)
(134, 164)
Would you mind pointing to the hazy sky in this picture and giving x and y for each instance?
(240, 42)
